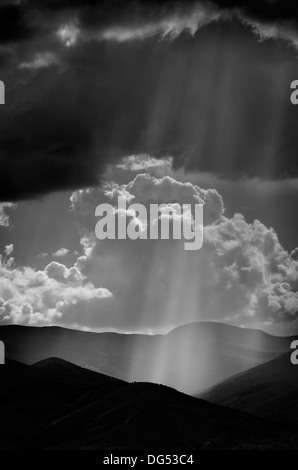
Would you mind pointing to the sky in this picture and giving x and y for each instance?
(180, 101)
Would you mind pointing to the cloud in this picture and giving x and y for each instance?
(8, 249)
(28, 296)
(254, 272)
(41, 60)
(144, 162)
(242, 274)
(68, 34)
(61, 252)
(168, 27)
(130, 20)
(196, 85)
(68, 116)
(60, 273)
(145, 189)
(5, 209)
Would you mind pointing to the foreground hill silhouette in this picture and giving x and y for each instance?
(58, 405)
(269, 390)
(190, 358)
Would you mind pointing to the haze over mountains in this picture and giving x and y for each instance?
(190, 358)
(55, 404)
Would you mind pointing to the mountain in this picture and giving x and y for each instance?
(269, 390)
(57, 405)
(190, 358)
(31, 396)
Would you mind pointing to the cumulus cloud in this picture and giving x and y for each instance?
(255, 278)
(8, 249)
(145, 189)
(241, 275)
(61, 252)
(40, 297)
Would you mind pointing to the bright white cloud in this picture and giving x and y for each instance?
(28, 296)
(8, 249)
(61, 252)
(241, 275)
(236, 277)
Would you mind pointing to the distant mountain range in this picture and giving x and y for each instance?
(68, 389)
(58, 405)
(190, 358)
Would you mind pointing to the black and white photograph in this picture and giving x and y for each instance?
(149, 227)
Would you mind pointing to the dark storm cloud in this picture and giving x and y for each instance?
(113, 11)
(265, 10)
(216, 99)
(13, 24)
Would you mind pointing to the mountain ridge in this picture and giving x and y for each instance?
(49, 413)
(190, 358)
(268, 390)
